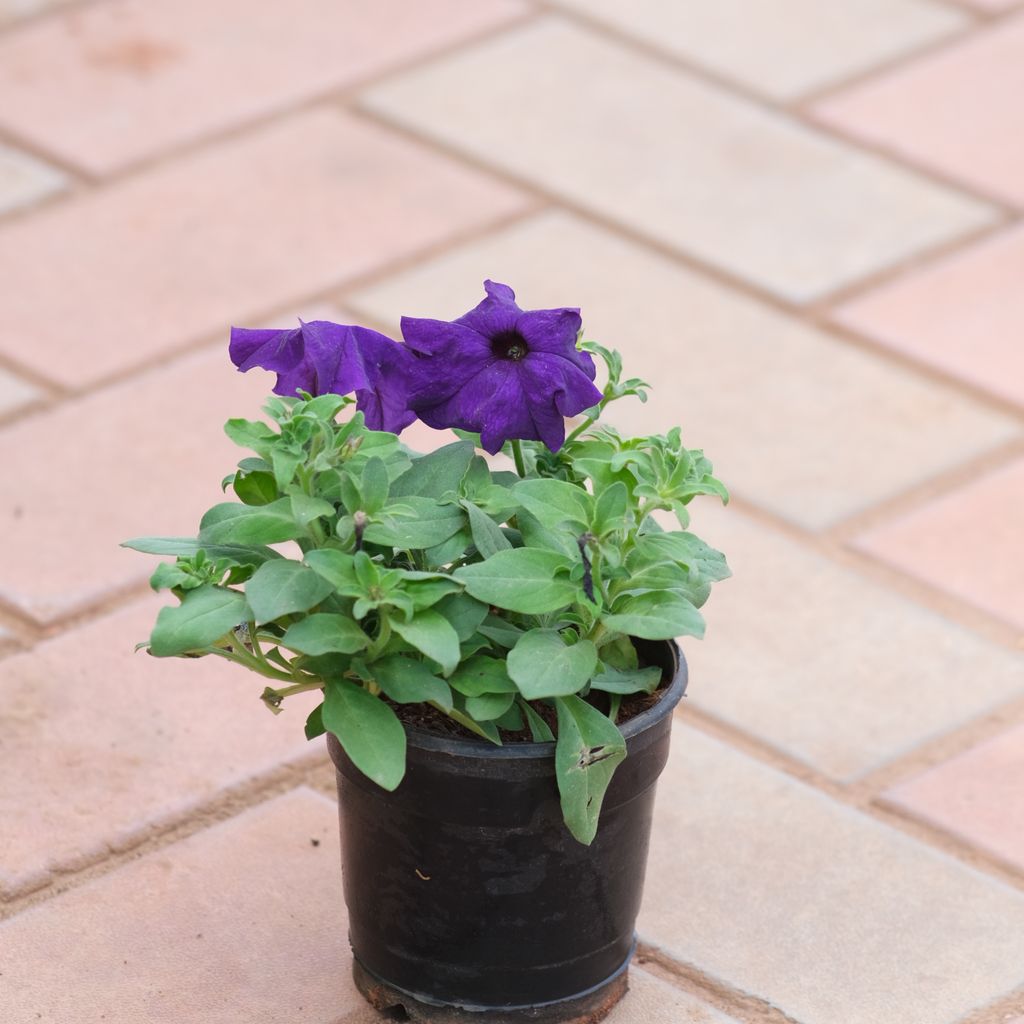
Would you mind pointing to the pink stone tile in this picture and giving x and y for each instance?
(969, 543)
(994, 6)
(119, 81)
(978, 795)
(108, 744)
(142, 457)
(957, 110)
(118, 278)
(242, 922)
(963, 315)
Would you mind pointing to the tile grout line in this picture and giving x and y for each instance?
(696, 264)
(327, 98)
(224, 805)
(857, 797)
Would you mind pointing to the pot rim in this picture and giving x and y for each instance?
(481, 749)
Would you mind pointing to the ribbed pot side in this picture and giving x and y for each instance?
(466, 893)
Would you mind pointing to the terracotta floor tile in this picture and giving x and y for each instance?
(24, 179)
(158, 940)
(979, 795)
(112, 83)
(846, 428)
(110, 745)
(828, 667)
(780, 47)
(666, 154)
(969, 543)
(772, 887)
(142, 457)
(221, 236)
(957, 110)
(244, 921)
(964, 315)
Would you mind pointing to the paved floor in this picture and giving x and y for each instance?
(802, 219)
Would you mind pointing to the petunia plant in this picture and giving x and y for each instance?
(505, 601)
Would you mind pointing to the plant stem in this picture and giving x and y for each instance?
(517, 454)
(588, 422)
(288, 691)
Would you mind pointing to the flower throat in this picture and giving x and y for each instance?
(509, 345)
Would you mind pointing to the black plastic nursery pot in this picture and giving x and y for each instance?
(468, 898)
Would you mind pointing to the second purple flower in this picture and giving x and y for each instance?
(504, 372)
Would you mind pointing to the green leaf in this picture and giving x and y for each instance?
(305, 509)
(588, 750)
(337, 568)
(434, 475)
(167, 575)
(415, 523)
(464, 613)
(489, 706)
(555, 502)
(281, 588)
(657, 615)
(678, 546)
(610, 509)
(255, 488)
(284, 464)
(625, 681)
(481, 674)
(430, 632)
(410, 681)
(374, 485)
(230, 523)
(512, 719)
(539, 729)
(185, 546)
(521, 580)
(251, 434)
(487, 536)
(325, 634)
(203, 617)
(315, 723)
(503, 633)
(542, 665)
(368, 730)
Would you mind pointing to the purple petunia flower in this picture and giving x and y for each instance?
(502, 371)
(321, 358)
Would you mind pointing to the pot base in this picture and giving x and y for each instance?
(586, 1008)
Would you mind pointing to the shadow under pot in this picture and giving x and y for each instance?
(468, 898)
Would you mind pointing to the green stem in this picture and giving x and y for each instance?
(288, 691)
(251, 663)
(383, 636)
(517, 454)
(588, 422)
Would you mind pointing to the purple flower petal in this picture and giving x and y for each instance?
(500, 371)
(322, 357)
(497, 313)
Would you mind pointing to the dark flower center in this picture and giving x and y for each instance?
(509, 345)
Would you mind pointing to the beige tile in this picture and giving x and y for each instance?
(24, 179)
(963, 315)
(969, 543)
(14, 392)
(686, 163)
(957, 110)
(827, 666)
(652, 1001)
(805, 425)
(112, 83)
(780, 47)
(181, 251)
(110, 745)
(12, 11)
(774, 888)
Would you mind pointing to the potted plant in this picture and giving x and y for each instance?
(495, 649)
